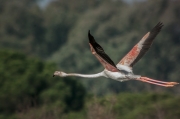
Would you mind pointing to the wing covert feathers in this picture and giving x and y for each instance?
(98, 51)
(138, 51)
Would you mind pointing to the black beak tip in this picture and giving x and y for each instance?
(53, 75)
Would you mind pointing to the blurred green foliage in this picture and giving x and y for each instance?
(58, 33)
(135, 106)
(28, 83)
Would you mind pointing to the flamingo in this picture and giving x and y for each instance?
(123, 71)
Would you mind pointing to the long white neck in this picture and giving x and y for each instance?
(86, 75)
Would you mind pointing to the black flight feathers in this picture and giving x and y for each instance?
(99, 50)
(155, 30)
(158, 27)
(146, 45)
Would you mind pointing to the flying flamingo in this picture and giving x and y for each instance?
(123, 71)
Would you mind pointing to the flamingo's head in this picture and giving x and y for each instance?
(59, 73)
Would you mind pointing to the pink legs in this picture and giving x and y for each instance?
(157, 82)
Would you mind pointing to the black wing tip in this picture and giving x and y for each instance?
(160, 24)
(89, 34)
(91, 38)
(157, 28)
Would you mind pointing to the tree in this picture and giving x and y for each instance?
(28, 83)
(134, 105)
(21, 26)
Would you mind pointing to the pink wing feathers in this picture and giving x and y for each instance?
(138, 51)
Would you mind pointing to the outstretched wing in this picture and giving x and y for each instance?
(141, 47)
(98, 51)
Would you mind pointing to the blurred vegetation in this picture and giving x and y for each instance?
(33, 40)
(134, 106)
(27, 83)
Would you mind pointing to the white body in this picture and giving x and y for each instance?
(125, 73)
(115, 75)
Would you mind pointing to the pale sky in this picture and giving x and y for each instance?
(44, 3)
